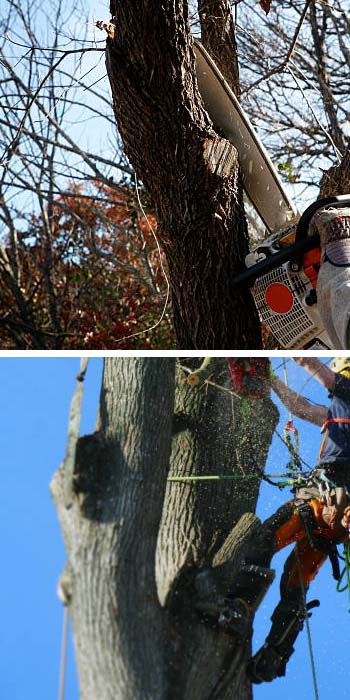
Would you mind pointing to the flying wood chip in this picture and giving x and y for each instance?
(266, 5)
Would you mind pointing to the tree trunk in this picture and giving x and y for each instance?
(336, 180)
(190, 171)
(138, 546)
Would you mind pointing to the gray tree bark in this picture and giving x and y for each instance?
(136, 543)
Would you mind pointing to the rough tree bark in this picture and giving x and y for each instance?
(336, 180)
(190, 171)
(137, 545)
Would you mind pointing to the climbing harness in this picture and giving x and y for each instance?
(319, 538)
(324, 430)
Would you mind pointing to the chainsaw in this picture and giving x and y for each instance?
(282, 269)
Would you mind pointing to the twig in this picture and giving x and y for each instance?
(284, 63)
(12, 147)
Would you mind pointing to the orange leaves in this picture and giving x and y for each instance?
(102, 263)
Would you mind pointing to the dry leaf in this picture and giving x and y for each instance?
(266, 5)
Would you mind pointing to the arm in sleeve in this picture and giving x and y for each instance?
(298, 405)
(318, 370)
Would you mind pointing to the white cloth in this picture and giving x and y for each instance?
(333, 284)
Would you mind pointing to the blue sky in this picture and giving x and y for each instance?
(34, 406)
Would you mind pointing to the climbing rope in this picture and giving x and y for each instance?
(307, 623)
(291, 436)
(63, 664)
(345, 574)
(301, 460)
(290, 479)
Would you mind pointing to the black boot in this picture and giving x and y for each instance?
(271, 660)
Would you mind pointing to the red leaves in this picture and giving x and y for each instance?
(100, 299)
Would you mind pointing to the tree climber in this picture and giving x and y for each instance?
(333, 227)
(317, 518)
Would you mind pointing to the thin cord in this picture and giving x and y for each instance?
(327, 134)
(285, 375)
(64, 645)
(308, 630)
(151, 328)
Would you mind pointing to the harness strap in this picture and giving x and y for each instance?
(333, 420)
(316, 540)
(324, 430)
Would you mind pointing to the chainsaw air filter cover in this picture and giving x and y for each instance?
(286, 300)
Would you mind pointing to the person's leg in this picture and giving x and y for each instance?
(288, 617)
(279, 530)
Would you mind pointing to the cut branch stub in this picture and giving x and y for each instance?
(229, 559)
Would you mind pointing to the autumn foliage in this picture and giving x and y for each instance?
(87, 275)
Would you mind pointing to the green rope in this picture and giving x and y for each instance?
(295, 462)
(219, 477)
(345, 573)
(307, 622)
(301, 460)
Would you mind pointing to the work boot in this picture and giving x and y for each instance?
(287, 621)
(267, 664)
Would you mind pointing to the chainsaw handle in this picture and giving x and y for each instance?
(339, 200)
(303, 243)
(249, 276)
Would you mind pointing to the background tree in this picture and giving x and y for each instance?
(91, 282)
(135, 542)
(79, 265)
(294, 85)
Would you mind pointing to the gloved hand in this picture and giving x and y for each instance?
(345, 521)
